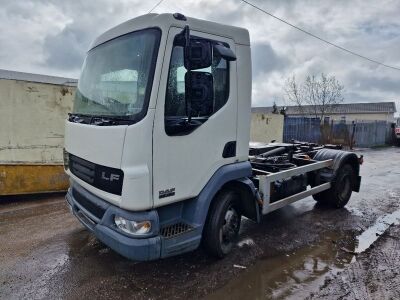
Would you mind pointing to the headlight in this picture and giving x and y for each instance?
(132, 227)
(66, 159)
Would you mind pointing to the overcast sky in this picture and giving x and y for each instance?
(51, 37)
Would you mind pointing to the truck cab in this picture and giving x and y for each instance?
(128, 144)
(157, 144)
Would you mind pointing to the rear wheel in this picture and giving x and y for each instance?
(223, 224)
(340, 192)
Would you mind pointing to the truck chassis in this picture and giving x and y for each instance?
(266, 179)
(290, 162)
(282, 174)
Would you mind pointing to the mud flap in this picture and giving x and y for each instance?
(249, 197)
(357, 184)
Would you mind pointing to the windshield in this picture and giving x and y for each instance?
(116, 77)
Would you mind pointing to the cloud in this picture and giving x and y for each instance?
(66, 49)
(265, 59)
(52, 37)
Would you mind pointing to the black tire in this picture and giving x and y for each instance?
(222, 226)
(340, 192)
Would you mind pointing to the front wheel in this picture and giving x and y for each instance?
(222, 225)
(340, 192)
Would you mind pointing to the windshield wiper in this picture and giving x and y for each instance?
(110, 120)
(99, 120)
(79, 118)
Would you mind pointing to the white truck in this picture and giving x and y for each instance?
(157, 145)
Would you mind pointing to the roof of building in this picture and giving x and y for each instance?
(14, 75)
(344, 108)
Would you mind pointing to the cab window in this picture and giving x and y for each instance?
(175, 96)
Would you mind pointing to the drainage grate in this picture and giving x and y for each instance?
(175, 229)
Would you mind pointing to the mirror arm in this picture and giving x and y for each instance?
(186, 31)
(189, 101)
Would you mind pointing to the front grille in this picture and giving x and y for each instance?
(175, 229)
(102, 177)
(91, 207)
(83, 169)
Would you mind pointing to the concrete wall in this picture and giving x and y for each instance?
(266, 127)
(32, 117)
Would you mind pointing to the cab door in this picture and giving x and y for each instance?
(184, 160)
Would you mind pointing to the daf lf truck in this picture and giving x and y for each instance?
(157, 145)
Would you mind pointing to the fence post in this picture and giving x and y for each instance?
(353, 130)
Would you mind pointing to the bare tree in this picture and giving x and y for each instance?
(320, 94)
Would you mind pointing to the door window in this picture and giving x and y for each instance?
(175, 105)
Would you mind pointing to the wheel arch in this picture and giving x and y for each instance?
(340, 158)
(247, 193)
(197, 209)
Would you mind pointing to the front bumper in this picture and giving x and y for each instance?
(97, 215)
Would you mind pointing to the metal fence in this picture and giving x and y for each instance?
(368, 134)
(301, 129)
(359, 134)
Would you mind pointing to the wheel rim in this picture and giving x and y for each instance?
(229, 229)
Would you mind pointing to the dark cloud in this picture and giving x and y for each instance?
(66, 50)
(265, 59)
(379, 83)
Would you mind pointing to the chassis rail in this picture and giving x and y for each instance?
(266, 180)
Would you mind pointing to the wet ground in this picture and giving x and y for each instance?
(375, 274)
(300, 251)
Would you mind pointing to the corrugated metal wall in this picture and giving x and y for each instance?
(301, 129)
(369, 134)
(366, 133)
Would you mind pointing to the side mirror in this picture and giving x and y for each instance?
(199, 92)
(198, 52)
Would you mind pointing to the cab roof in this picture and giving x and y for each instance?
(165, 21)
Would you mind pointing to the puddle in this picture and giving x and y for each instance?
(289, 275)
(369, 236)
(296, 275)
